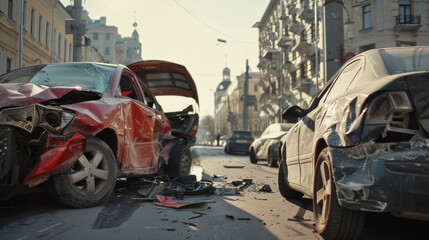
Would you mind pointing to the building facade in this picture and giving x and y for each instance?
(229, 105)
(111, 46)
(40, 40)
(291, 44)
(103, 38)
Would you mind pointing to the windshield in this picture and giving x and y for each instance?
(90, 76)
(405, 59)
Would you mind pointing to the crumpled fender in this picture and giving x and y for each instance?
(343, 123)
(57, 160)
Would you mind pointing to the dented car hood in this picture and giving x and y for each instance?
(20, 94)
(165, 78)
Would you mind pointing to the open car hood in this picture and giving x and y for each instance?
(20, 94)
(165, 78)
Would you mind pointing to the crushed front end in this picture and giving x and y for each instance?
(32, 146)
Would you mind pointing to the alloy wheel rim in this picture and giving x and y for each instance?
(185, 164)
(90, 173)
(323, 192)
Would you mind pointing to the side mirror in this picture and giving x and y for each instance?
(293, 112)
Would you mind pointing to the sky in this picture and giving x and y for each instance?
(186, 32)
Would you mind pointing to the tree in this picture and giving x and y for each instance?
(207, 125)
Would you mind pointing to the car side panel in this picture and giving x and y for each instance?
(293, 168)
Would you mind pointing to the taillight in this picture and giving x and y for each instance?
(392, 109)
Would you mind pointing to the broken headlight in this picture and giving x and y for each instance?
(53, 119)
(389, 112)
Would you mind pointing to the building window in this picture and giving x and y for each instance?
(256, 87)
(405, 11)
(95, 36)
(70, 52)
(303, 70)
(47, 35)
(24, 17)
(107, 36)
(8, 64)
(367, 17)
(59, 45)
(11, 9)
(54, 33)
(366, 47)
(107, 51)
(65, 49)
(32, 21)
(40, 29)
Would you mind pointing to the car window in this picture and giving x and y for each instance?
(128, 89)
(241, 134)
(400, 60)
(344, 80)
(150, 101)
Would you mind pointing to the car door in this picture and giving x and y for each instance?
(139, 126)
(309, 131)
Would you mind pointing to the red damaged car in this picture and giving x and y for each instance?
(80, 126)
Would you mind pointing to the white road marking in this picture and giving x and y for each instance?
(49, 228)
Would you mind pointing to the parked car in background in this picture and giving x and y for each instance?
(267, 146)
(81, 125)
(238, 141)
(363, 144)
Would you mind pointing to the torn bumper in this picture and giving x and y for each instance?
(383, 177)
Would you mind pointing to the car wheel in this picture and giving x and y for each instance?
(252, 156)
(90, 181)
(284, 188)
(226, 150)
(180, 161)
(332, 221)
(272, 161)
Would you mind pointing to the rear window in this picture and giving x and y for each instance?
(403, 60)
(242, 135)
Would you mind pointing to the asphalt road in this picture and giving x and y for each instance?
(232, 213)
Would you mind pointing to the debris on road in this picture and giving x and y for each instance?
(165, 201)
(229, 217)
(266, 188)
(298, 219)
(198, 216)
(231, 166)
(227, 191)
(244, 219)
(237, 183)
(190, 224)
(219, 176)
(260, 198)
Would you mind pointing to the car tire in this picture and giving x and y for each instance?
(284, 188)
(332, 221)
(271, 159)
(91, 180)
(252, 156)
(180, 161)
(226, 150)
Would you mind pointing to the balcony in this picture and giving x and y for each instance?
(271, 52)
(305, 13)
(285, 42)
(410, 23)
(302, 46)
(288, 66)
(296, 28)
(291, 7)
(302, 85)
